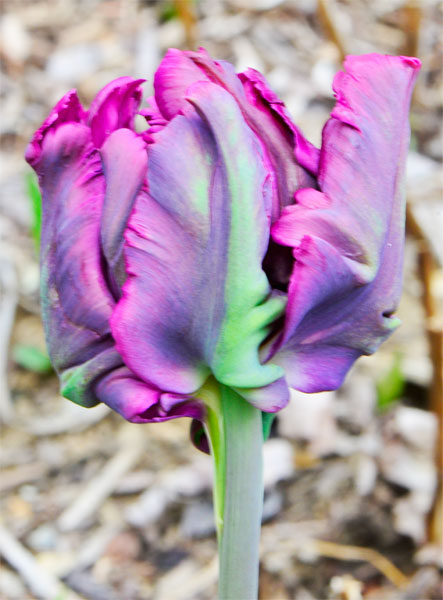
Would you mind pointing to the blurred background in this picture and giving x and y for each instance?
(96, 508)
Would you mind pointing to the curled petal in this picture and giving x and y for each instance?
(348, 237)
(72, 197)
(172, 79)
(291, 155)
(133, 399)
(114, 107)
(179, 70)
(196, 299)
(76, 301)
(68, 109)
(266, 100)
(154, 118)
(125, 163)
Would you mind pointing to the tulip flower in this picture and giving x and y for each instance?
(205, 265)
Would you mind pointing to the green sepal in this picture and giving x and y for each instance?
(267, 420)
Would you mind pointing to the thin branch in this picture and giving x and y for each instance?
(40, 582)
(330, 24)
(380, 562)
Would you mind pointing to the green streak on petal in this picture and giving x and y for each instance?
(200, 196)
(249, 308)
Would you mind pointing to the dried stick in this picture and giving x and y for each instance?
(412, 17)
(380, 562)
(91, 498)
(40, 582)
(427, 266)
(329, 23)
(186, 12)
(8, 304)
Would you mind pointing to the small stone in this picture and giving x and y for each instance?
(272, 505)
(72, 64)
(278, 461)
(171, 34)
(322, 76)
(365, 474)
(417, 427)
(426, 583)
(309, 417)
(411, 470)
(11, 586)
(198, 520)
(15, 40)
(304, 594)
(256, 4)
(147, 51)
(345, 587)
(43, 538)
(419, 168)
(245, 55)
(124, 547)
(221, 28)
(410, 514)
(148, 508)
(429, 554)
(356, 402)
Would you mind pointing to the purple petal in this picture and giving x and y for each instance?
(73, 190)
(348, 238)
(290, 154)
(76, 300)
(154, 118)
(261, 96)
(114, 107)
(172, 79)
(125, 162)
(138, 403)
(68, 109)
(196, 299)
(179, 70)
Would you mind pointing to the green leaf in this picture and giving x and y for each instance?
(35, 200)
(168, 12)
(32, 358)
(390, 387)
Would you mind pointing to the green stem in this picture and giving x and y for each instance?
(235, 429)
(243, 498)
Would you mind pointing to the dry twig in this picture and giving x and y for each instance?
(186, 12)
(43, 584)
(8, 304)
(325, 13)
(380, 562)
(427, 266)
(104, 484)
